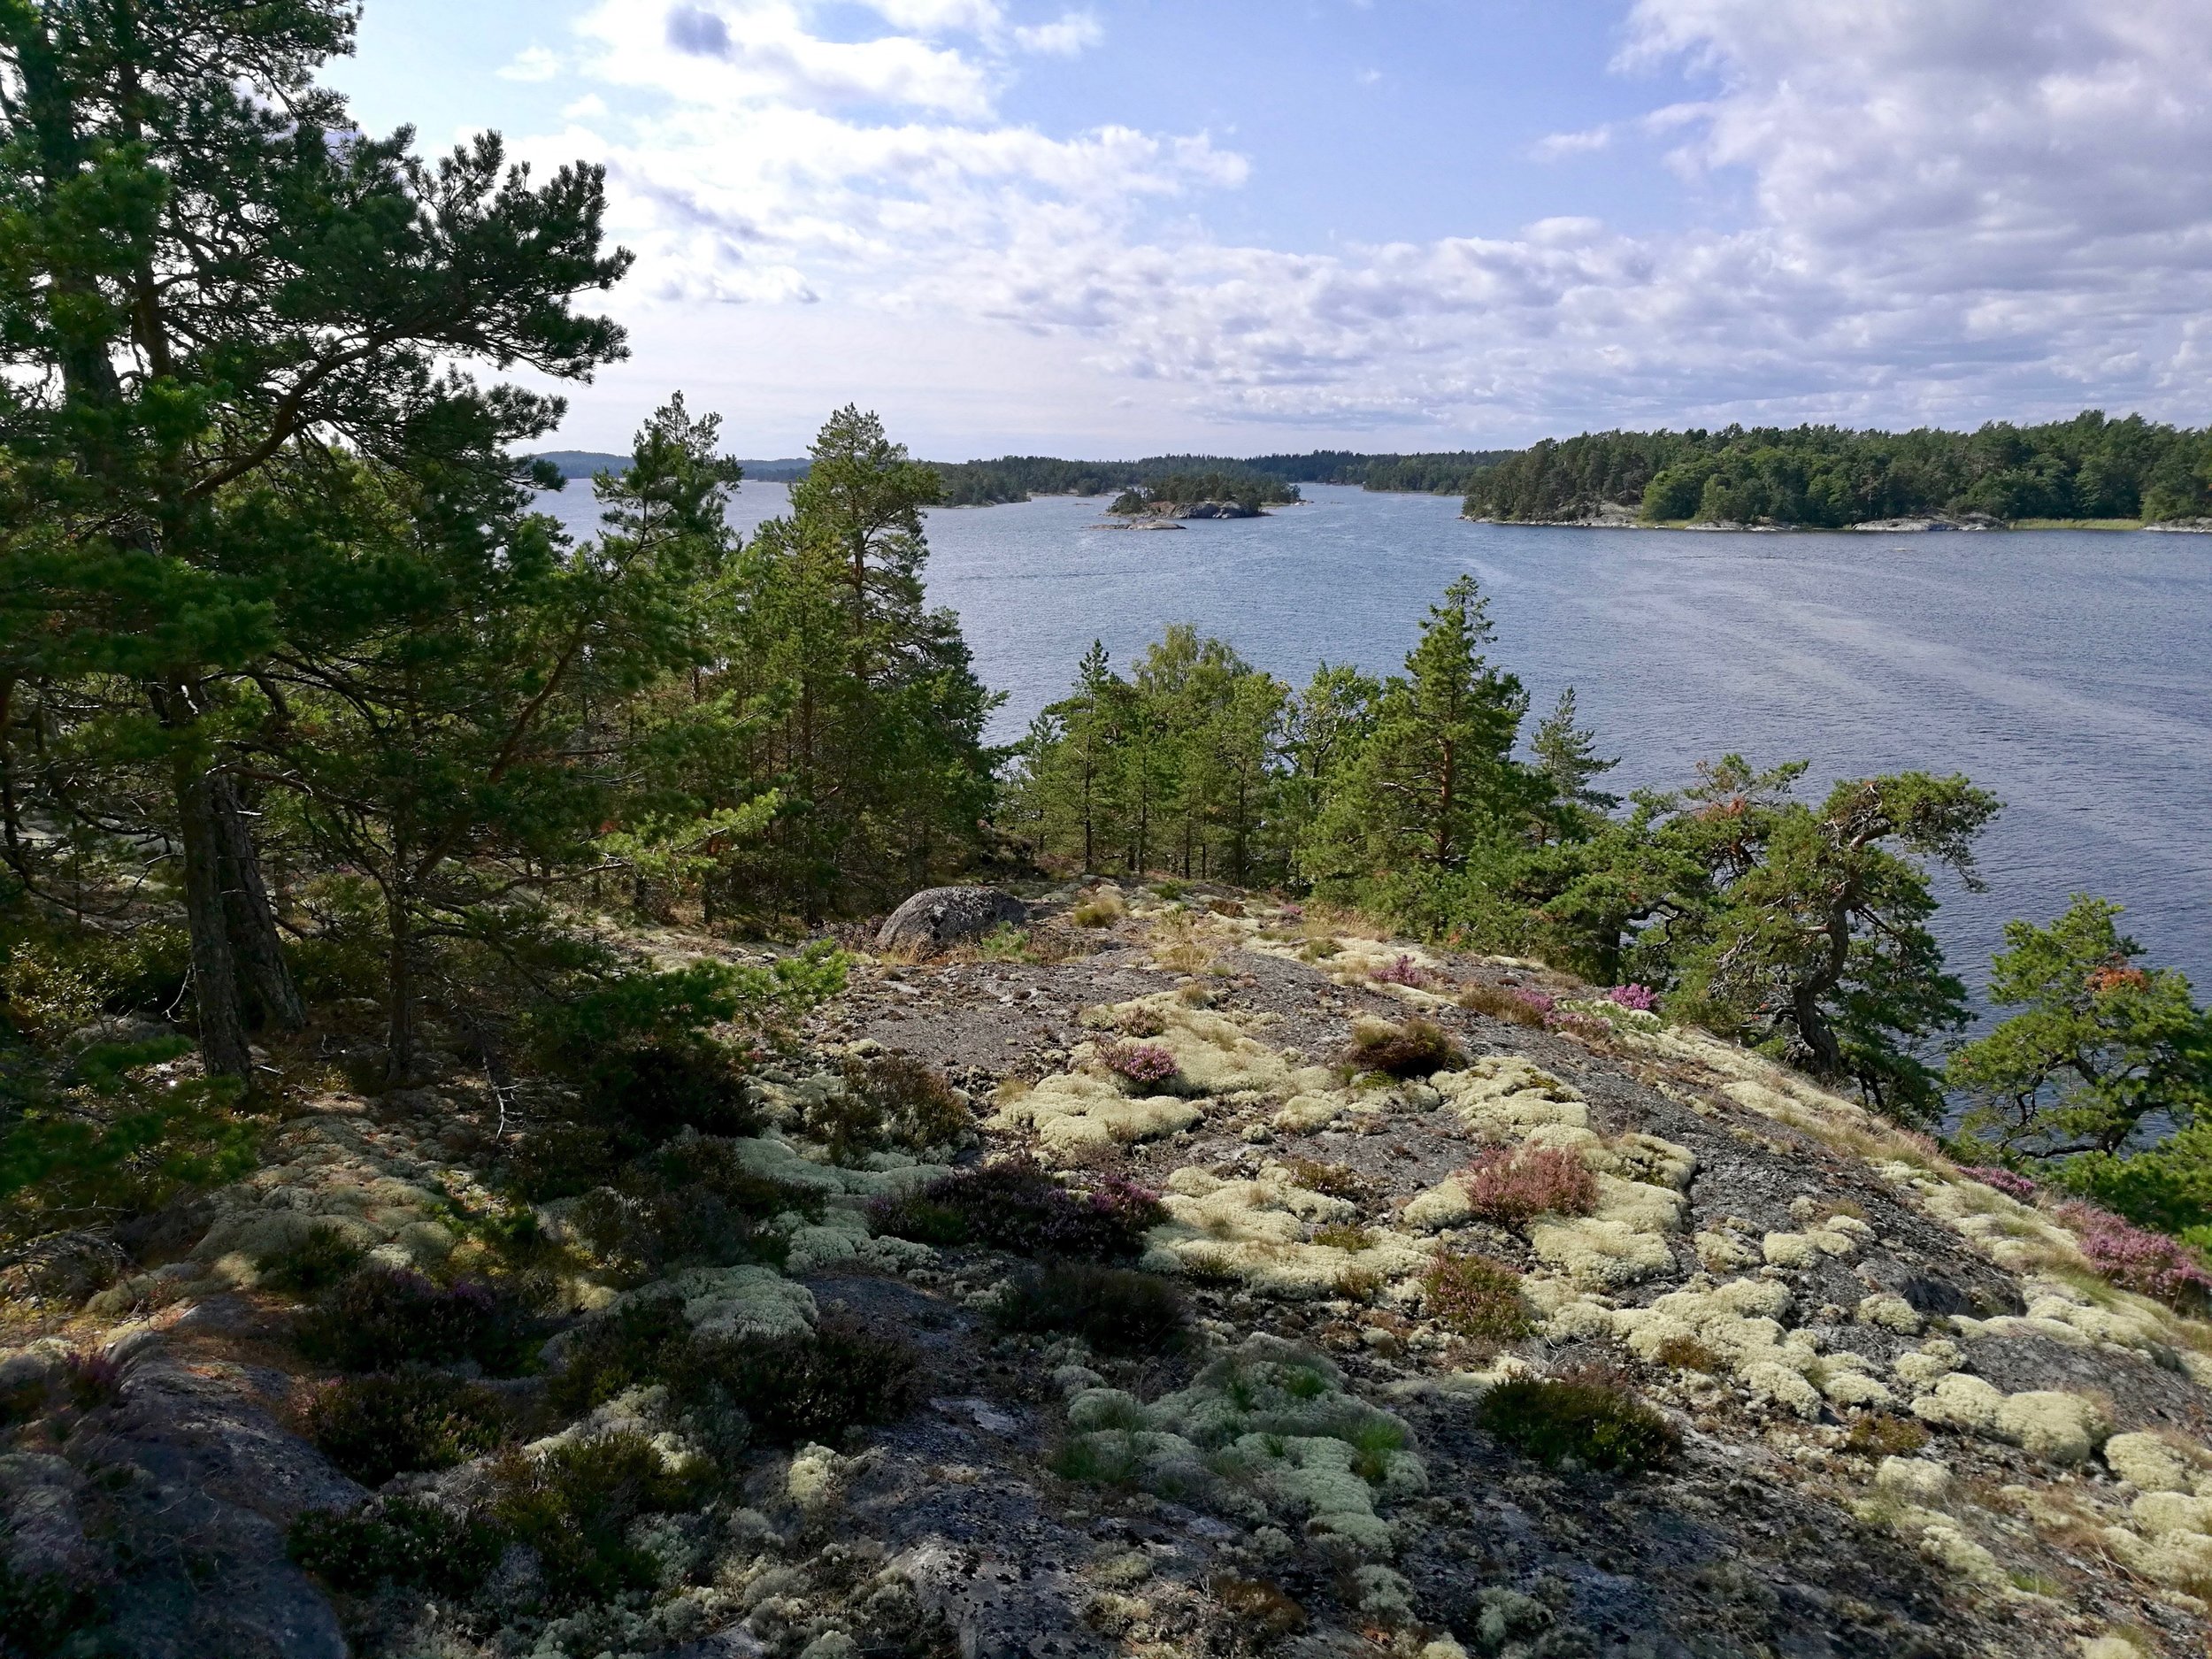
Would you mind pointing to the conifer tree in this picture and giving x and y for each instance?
(213, 282)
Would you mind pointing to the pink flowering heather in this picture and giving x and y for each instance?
(1637, 998)
(2005, 1181)
(1405, 971)
(1536, 999)
(2136, 1259)
(1509, 1185)
(1141, 1062)
(1293, 913)
(1575, 1022)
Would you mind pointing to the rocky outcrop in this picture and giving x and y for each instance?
(938, 919)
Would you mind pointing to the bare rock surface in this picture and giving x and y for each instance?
(1911, 1419)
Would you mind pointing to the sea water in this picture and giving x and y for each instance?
(2070, 672)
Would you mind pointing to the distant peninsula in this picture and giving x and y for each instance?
(2089, 472)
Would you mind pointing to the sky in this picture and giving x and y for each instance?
(1130, 226)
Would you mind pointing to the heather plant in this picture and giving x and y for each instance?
(575, 1504)
(1510, 1185)
(381, 1316)
(2157, 1266)
(2011, 1183)
(1144, 1064)
(1116, 1310)
(410, 1541)
(1518, 1008)
(376, 1427)
(1475, 1296)
(312, 1262)
(1014, 1204)
(1404, 970)
(1416, 1048)
(917, 1106)
(1637, 999)
(1584, 1418)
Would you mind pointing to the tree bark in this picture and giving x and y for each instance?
(214, 972)
(399, 1063)
(256, 947)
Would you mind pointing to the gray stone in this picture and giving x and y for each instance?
(939, 917)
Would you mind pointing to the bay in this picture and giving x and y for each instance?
(2068, 672)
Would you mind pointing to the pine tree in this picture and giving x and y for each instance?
(214, 288)
(1567, 754)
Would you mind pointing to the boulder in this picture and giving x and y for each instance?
(936, 918)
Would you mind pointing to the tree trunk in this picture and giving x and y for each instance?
(399, 1042)
(214, 973)
(256, 947)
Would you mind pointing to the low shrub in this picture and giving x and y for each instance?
(1099, 908)
(574, 1505)
(396, 1541)
(41, 1612)
(1415, 1049)
(660, 1087)
(2162, 1268)
(916, 1105)
(1686, 1353)
(1140, 1021)
(815, 1387)
(791, 1389)
(1260, 1614)
(1344, 1235)
(389, 1423)
(1639, 999)
(562, 1160)
(1474, 1296)
(1405, 971)
(1014, 1204)
(923, 1219)
(1574, 1021)
(1881, 1434)
(379, 1318)
(1509, 1185)
(1336, 1180)
(1584, 1417)
(1142, 1063)
(2009, 1182)
(693, 1201)
(312, 1264)
(1500, 1003)
(1116, 1310)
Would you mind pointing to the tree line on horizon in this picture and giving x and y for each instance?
(2088, 468)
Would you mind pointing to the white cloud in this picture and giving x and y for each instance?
(1954, 209)
(532, 63)
(1077, 32)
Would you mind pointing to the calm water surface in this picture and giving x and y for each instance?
(2070, 672)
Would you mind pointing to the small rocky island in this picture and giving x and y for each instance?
(1203, 495)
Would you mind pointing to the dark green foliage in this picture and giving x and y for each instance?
(2167, 1185)
(561, 1160)
(1014, 1204)
(1018, 477)
(816, 1387)
(1882, 1434)
(1474, 1296)
(39, 1612)
(1586, 1417)
(1185, 489)
(2088, 467)
(1413, 1048)
(2097, 1045)
(916, 1106)
(662, 1087)
(396, 1541)
(1116, 1310)
(312, 1264)
(380, 1317)
(923, 1219)
(574, 1503)
(383, 1424)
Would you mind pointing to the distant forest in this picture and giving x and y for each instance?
(1019, 477)
(2086, 468)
